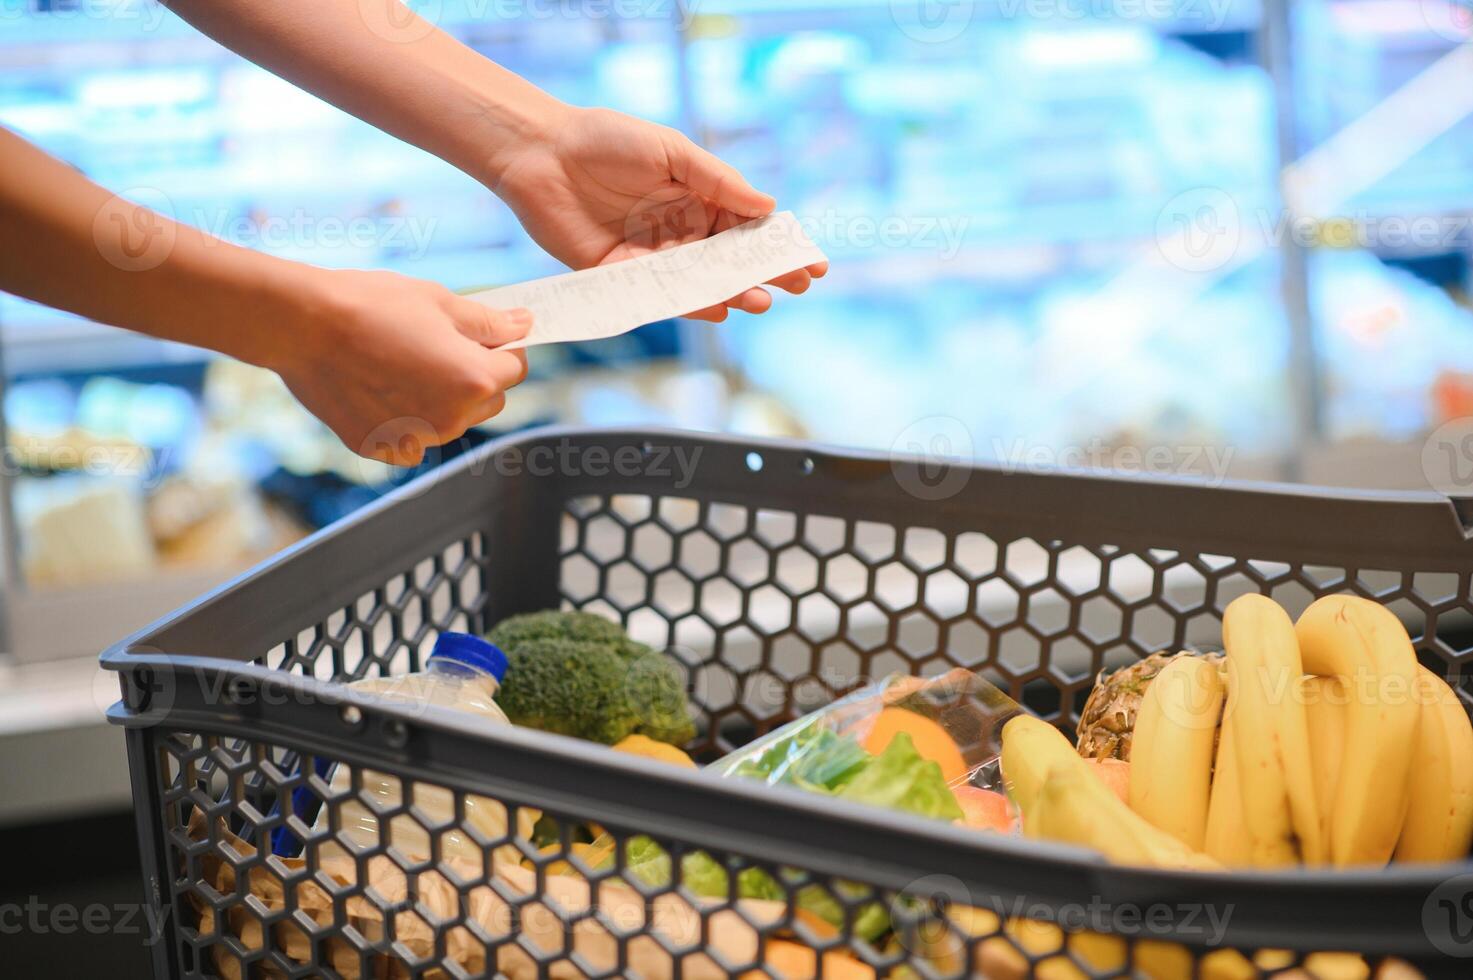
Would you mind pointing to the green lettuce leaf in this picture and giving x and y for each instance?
(813, 758)
(900, 779)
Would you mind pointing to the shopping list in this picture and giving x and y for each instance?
(614, 299)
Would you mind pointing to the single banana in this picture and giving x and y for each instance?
(1226, 839)
(1324, 708)
(1031, 749)
(1439, 819)
(1265, 719)
(1074, 807)
(1172, 748)
(1366, 646)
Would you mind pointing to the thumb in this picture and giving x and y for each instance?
(488, 326)
(717, 181)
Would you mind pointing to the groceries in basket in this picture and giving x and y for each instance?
(1160, 777)
(1317, 743)
(463, 673)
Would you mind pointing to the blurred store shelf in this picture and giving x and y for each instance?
(51, 722)
(45, 341)
(82, 621)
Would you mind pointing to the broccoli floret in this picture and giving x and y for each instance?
(553, 624)
(579, 674)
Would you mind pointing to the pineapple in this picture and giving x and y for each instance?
(1108, 719)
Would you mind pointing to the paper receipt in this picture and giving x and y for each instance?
(614, 299)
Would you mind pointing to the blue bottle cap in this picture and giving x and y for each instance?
(463, 648)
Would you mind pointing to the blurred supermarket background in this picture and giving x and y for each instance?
(1059, 231)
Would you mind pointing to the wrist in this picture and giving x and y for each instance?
(517, 119)
(274, 312)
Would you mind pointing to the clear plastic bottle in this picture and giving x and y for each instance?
(463, 673)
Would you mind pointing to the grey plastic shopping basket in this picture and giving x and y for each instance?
(778, 575)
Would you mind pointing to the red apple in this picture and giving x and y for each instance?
(985, 809)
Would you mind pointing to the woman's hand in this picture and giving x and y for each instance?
(392, 365)
(395, 365)
(601, 186)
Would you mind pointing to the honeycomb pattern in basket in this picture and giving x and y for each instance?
(391, 629)
(452, 899)
(773, 613)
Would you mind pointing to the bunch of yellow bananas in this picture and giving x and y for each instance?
(1317, 743)
(1335, 747)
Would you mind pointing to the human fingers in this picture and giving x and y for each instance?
(711, 314)
(796, 282)
(755, 300)
(488, 326)
(716, 180)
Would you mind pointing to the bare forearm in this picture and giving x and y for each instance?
(387, 66)
(68, 243)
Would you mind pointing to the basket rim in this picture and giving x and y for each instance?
(1249, 494)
